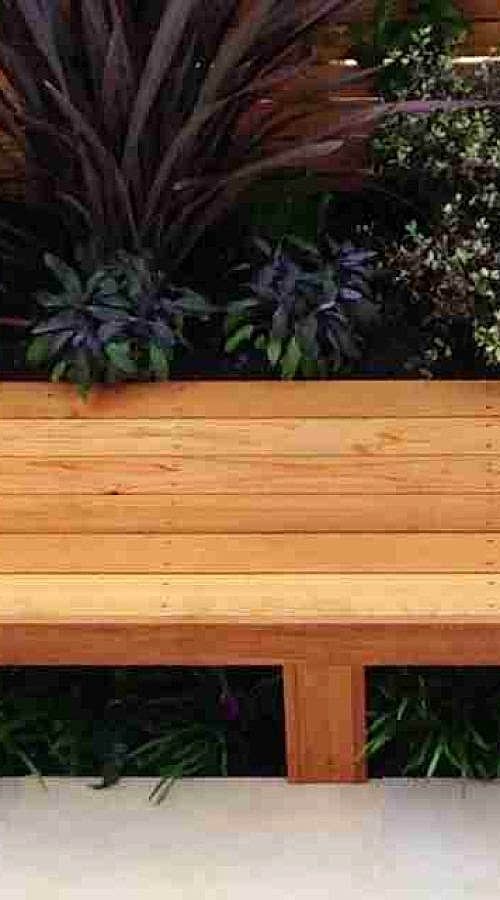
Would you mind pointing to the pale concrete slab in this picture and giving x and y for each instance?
(236, 839)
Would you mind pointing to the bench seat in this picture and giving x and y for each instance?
(321, 527)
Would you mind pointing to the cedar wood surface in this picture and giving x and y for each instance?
(323, 527)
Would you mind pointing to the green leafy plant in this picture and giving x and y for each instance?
(444, 263)
(162, 723)
(457, 268)
(451, 273)
(450, 150)
(458, 146)
(487, 338)
(122, 321)
(435, 722)
(306, 311)
(388, 42)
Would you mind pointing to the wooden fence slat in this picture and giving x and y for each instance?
(237, 513)
(480, 9)
(249, 553)
(404, 9)
(282, 598)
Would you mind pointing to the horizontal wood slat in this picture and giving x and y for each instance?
(249, 437)
(251, 475)
(254, 399)
(336, 44)
(335, 41)
(237, 513)
(249, 553)
(403, 9)
(480, 9)
(428, 641)
(236, 598)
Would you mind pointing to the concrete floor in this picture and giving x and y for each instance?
(242, 839)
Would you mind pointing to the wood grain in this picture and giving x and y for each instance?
(325, 722)
(254, 400)
(321, 527)
(427, 642)
(473, 9)
(239, 513)
(335, 42)
(274, 599)
(250, 437)
(250, 475)
(249, 553)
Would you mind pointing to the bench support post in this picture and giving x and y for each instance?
(325, 722)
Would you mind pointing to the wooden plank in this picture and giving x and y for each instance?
(338, 75)
(480, 9)
(325, 722)
(427, 642)
(249, 437)
(335, 42)
(237, 513)
(484, 39)
(403, 9)
(251, 475)
(249, 553)
(279, 598)
(253, 399)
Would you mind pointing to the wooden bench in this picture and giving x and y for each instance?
(322, 527)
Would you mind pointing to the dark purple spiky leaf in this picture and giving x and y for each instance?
(118, 78)
(38, 20)
(96, 33)
(163, 50)
(111, 173)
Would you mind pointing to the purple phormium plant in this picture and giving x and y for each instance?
(131, 113)
(305, 310)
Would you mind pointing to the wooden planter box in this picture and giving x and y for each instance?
(322, 527)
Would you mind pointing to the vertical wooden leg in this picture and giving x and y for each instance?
(325, 722)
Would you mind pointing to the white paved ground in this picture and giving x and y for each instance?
(250, 839)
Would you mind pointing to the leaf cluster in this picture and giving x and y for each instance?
(106, 723)
(436, 722)
(305, 310)
(122, 321)
(446, 260)
(389, 43)
(456, 267)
